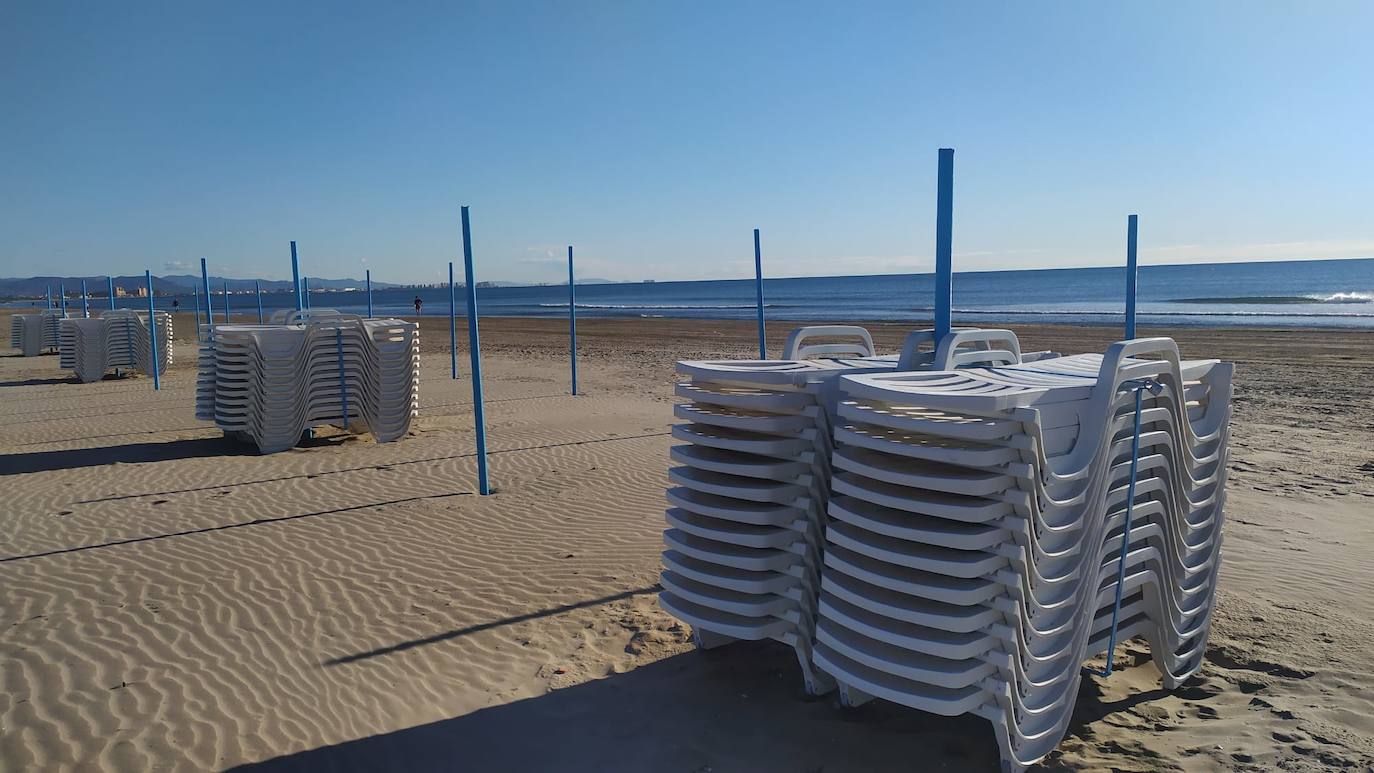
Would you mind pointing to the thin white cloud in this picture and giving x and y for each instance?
(1303, 250)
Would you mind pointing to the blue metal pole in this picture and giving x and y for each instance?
(452, 323)
(85, 307)
(257, 289)
(1154, 388)
(572, 319)
(369, 293)
(475, 353)
(944, 244)
(1130, 275)
(152, 331)
(195, 296)
(110, 280)
(62, 292)
(296, 278)
(49, 297)
(305, 290)
(226, 303)
(205, 280)
(758, 288)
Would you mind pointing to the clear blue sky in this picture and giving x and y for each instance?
(655, 136)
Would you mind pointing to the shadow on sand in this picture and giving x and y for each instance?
(738, 708)
(39, 381)
(131, 453)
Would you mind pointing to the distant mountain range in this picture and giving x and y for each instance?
(175, 284)
(184, 284)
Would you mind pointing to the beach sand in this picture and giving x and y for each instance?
(172, 601)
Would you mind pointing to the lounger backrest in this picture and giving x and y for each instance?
(981, 347)
(306, 315)
(796, 349)
(918, 351)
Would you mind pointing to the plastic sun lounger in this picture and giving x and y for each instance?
(270, 383)
(26, 334)
(978, 530)
(748, 509)
(116, 339)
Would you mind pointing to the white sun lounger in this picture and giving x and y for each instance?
(748, 502)
(268, 384)
(26, 334)
(117, 339)
(977, 523)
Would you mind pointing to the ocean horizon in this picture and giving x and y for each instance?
(1311, 293)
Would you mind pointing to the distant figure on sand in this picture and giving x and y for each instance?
(418, 302)
(176, 304)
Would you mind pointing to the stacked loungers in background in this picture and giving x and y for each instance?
(116, 339)
(748, 503)
(268, 384)
(32, 333)
(52, 334)
(26, 334)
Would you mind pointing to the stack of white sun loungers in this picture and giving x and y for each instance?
(268, 384)
(26, 334)
(52, 333)
(748, 499)
(32, 333)
(977, 526)
(116, 339)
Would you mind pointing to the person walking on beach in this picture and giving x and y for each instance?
(176, 304)
(418, 302)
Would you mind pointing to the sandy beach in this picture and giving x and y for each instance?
(174, 601)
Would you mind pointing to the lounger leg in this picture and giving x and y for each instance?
(817, 681)
(709, 640)
(851, 697)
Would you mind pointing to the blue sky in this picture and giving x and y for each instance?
(655, 136)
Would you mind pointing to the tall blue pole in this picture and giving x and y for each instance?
(944, 244)
(475, 353)
(572, 319)
(758, 288)
(369, 293)
(305, 290)
(257, 289)
(1130, 276)
(49, 297)
(152, 331)
(85, 307)
(452, 323)
(296, 278)
(62, 296)
(205, 281)
(110, 280)
(226, 303)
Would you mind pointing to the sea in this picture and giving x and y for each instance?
(1311, 293)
